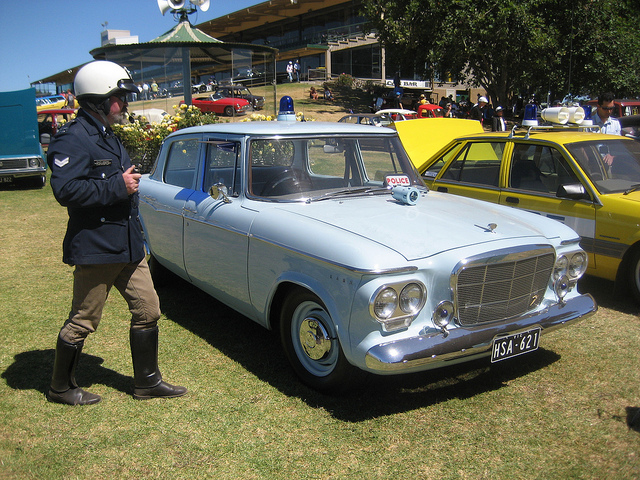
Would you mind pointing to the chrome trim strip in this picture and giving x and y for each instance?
(461, 342)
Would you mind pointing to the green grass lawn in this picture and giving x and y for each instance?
(558, 413)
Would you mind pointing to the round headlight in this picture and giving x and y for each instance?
(443, 314)
(560, 268)
(577, 265)
(33, 162)
(411, 298)
(385, 303)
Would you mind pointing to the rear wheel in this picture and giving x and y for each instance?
(311, 344)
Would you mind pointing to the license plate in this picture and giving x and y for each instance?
(514, 345)
(8, 179)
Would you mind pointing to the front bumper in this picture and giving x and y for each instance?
(466, 343)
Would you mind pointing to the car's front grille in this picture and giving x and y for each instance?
(488, 291)
(11, 163)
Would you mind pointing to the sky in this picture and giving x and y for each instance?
(39, 38)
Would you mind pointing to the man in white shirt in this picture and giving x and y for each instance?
(603, 117)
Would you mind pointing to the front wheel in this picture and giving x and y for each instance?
(311, 344)
(228, 111)
(634, 275)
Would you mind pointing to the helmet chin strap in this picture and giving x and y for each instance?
(101, 109)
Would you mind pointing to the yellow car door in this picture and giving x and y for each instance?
(539, 179)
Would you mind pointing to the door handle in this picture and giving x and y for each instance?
(443, 189)
(512, 200)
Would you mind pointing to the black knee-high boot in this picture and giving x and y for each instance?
(64, 388)
(146, 374)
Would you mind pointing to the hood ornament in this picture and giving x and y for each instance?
(489, 228)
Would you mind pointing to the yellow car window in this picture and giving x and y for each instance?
(539, 168)
(477, 162)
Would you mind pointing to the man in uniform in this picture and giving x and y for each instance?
(92, 175)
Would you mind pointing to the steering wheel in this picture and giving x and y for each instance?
(288, 181)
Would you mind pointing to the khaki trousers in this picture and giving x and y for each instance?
(91, 287)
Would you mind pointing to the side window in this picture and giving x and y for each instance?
(222, 165)
(477, 162)
(182, 161)
(269, 159)
(434, 169)
(540, 169)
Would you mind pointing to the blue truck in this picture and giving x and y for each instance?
(21, 157)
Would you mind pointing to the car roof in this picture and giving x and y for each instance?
(287, 128)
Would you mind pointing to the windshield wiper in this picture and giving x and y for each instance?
(350, 191)
(632, 189)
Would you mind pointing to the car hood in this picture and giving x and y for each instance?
(422, 138)
(439, 222)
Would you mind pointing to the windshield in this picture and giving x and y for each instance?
(294, 169)
(612, 165)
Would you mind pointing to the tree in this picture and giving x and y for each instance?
(508, 46)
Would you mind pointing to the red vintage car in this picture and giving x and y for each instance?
(50, 120)
(430, 110)
(221, 105)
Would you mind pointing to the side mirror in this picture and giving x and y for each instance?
(573, 191)
(219, 191)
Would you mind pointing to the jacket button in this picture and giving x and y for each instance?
(102, 219)
(103, 175)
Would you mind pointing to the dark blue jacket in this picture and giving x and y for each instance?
(86, 165)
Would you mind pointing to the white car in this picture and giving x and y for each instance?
(325, 232)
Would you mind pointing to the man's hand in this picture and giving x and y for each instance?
(131, 180)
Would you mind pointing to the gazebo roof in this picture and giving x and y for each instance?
(185, 32)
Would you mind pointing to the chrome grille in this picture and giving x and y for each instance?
(487, 292)
(11, 163)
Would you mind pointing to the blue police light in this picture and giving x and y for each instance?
(530, 115)
(587, 115)
(287, 112)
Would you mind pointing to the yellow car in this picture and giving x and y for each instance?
(589, 181)
(51, 102)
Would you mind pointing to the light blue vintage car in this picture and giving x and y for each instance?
(325, 232)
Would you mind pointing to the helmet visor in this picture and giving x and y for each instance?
(127, 85)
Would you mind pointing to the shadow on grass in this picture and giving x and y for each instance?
(607, 296)
(32, 370)
(258, 351)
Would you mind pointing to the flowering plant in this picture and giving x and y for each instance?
(143, 139)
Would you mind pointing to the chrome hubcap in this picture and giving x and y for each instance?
(314, 338)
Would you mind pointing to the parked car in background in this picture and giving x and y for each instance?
(50, 102)
(150, 114)
(325, 233)
(588, 181)
(239, 91)
(50, 121)
(221, 105)
(398, 114)
(21, 156)
(368, 119)
(430, 110)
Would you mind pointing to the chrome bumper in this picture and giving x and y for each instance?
(427, 351)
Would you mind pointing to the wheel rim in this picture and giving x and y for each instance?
(636, 275)
(312, 339)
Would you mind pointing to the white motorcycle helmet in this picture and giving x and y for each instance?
(97, 81)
